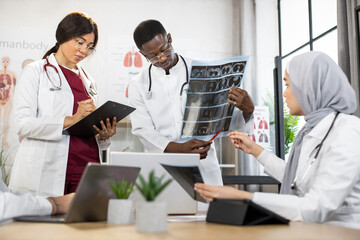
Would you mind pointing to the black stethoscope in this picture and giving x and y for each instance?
(92, 90)
(293, 186)
(148, 94)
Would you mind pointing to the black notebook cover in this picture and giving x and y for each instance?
(186, 176)
(241, 212)
(84, 127)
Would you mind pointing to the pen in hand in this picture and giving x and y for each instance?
(216, 135)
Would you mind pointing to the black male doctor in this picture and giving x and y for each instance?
(158, 94)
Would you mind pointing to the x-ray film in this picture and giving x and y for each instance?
(207, 109)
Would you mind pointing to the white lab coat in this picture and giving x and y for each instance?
(41, 160)
(330, 191)
(157, 121)
(15, 205)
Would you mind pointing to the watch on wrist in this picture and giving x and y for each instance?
(104, 140)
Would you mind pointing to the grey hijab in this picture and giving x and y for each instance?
(320, 88)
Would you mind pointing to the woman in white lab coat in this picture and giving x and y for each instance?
(320, 182)
(52, 94)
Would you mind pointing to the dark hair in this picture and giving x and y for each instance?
(73, 25)
(146, 31)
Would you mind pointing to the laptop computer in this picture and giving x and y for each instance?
(177, 199)
(92, 196)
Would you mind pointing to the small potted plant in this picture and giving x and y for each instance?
(120, 210)
(151, 216)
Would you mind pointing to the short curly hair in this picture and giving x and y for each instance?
(146, 31)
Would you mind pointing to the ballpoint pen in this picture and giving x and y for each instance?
(216, 135)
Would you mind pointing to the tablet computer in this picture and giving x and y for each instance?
(186, 176)
(241, 212)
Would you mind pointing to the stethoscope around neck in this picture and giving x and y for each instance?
(293, 185)
(149, 94)
(54, 87)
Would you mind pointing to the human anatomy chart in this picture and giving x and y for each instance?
(261, 134)
(207, 109)
(7, 86)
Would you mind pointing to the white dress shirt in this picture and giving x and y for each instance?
(15, 205)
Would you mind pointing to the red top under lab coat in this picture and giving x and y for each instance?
(81, 150)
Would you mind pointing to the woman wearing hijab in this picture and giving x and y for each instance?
(321, 180)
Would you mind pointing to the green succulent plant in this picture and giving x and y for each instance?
(3, 159)
(291, 128)
(122, 190)
(153, 187)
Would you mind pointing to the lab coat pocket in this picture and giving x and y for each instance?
(46, 100)
(28, 168)
(27, 154)
(307, 178)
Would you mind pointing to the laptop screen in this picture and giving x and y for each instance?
(92, 196)
(177, 199)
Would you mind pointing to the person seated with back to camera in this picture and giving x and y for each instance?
(321, 179)
(15, 205)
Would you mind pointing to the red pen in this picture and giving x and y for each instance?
(216, 135)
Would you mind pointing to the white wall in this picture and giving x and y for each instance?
(201, 29)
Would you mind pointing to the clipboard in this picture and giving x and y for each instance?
(186, 176)
(84, 127)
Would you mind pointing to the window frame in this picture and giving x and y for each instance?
(279, 114)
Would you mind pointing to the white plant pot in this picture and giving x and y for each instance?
(120, 211)
(151, 217)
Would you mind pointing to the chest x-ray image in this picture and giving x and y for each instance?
(207, 109)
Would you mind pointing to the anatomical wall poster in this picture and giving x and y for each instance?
(261, 134)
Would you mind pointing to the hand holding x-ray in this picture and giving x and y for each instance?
(212, 96)
(240, 98)
(191, 146)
